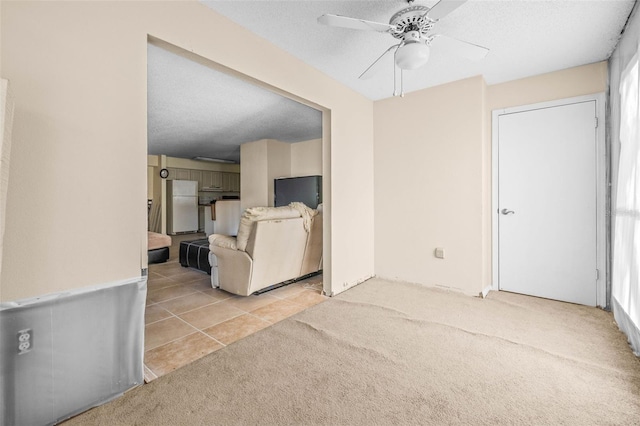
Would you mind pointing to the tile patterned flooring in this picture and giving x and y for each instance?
(186, 319)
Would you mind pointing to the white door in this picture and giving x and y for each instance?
(547, 202)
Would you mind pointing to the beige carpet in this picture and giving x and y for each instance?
(390, 353)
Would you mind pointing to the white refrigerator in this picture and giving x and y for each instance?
(182, 206)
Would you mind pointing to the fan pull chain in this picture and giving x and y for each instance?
(395, 81)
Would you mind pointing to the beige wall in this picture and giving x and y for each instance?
(306, 158)
(78, 71)
(265, 160)
(254, 188)
(1, 38)
(278, 165)
(79, 83)
(428, 185)
(151, 172)
(568, 83)
(433, 183)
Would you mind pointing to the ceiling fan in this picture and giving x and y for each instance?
(412, 26)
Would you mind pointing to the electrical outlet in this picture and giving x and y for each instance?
(25, 341)
(439, 252)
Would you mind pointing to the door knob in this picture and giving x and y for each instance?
(506, 212)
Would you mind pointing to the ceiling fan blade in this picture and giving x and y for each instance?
(458, 47)
(375, 66)
(443, 8)
(354, 23)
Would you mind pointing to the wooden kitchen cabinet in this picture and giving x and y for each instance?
(216, 180)
(178, 174)
(211, 179)
(197, 176)
(226, 182)
(235, 182)
(207, 179)
(231, 182)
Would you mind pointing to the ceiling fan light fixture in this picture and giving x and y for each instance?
(412, 55)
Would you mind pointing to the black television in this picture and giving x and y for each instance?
(305, 189)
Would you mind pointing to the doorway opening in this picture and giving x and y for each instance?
(230, 136)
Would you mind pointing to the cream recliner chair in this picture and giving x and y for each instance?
(274, 244)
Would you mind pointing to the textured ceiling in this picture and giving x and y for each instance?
(194, 110)
(526, 37)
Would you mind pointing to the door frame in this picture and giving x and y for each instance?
(601, 187)
(327, 124)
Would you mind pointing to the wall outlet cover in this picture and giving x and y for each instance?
(25, 341)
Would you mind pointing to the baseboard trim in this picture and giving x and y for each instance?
(347, 286)
(485, 291)
(626, 325)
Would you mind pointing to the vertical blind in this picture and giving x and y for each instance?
(626, 215)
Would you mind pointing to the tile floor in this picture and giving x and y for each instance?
(186, 319)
